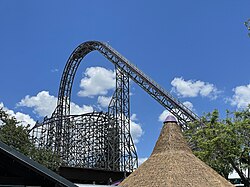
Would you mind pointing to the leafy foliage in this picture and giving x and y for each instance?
(223, 144)
(47, 158)
(14, 135)
(247, 24)
(17, 136)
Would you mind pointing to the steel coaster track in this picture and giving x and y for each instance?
(180, 111)
(61, 132)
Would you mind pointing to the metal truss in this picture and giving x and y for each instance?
(101, 140)
(86, 143)
(180, 111)
(119, 111)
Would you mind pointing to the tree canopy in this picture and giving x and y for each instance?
(223, 144)
(14, 134)
(247, 24)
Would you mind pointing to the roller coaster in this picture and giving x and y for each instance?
(101, 140)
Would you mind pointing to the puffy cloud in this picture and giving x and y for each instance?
(24, 119)
(76, 109)
(135, 129)
(97, 81)
(141, 160)
(189, 105)
(44, 104)
(103, 101)
(241, 97)
(133, 117)
(191, 88)
(54, 70)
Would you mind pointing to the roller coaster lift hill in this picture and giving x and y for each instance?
(101, 140)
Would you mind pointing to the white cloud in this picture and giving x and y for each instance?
(103, 101)
(141, 160)
(97, 81)
(54, 70)
(44, 104)
(133, 117)
(241, 97)
(135, 129)
(191, 88)
(189, 105)
(76, 109)
(24, 119)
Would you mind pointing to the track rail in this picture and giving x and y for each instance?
(163, 97)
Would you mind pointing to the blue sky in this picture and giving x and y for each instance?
(197, 50)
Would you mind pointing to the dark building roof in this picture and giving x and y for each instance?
(18, 169)
(91, 175)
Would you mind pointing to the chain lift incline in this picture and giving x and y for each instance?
(174, 106)
(105, 138)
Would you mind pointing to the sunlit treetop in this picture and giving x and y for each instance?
(247, 24)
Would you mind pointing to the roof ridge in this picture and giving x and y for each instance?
(170, 139)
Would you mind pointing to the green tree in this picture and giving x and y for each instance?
(46, 157)
(14, 134)
(247, 24)
(223, 144)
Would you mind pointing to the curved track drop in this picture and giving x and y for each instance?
(109, 144)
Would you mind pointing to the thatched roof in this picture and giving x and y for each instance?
(172, 164)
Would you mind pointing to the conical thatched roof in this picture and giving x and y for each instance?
(172, 164)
